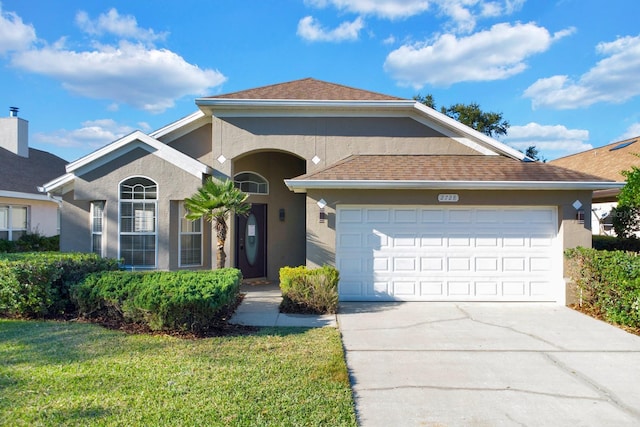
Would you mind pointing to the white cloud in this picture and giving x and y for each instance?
(462, 13)
(387, 9)
(124, 26)
(494, 54)
(14, 34)
(147, 79)
(550, 140)
(131, 71)
(613, 79)
(93, 134)
(631, 132)
(311, 30)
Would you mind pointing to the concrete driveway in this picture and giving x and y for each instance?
(488, 364)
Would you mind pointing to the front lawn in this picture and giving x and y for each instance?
(61, 373)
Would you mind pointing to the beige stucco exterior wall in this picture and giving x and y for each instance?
(43, 215)
(196, 144)
(330, 138)
(103, 183)
(321, 237)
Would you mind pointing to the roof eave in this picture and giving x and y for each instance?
(26, 196)
(494, 144)
(301, 186)
(57, 186)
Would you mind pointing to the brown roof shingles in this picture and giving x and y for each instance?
(309, 89)
(25, 174)
(604, 161)
(445, 168)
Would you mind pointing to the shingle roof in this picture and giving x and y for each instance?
(445, 168)
(308, 89)
(605, 161)
(25, 174)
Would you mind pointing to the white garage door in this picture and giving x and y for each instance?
(427, 253)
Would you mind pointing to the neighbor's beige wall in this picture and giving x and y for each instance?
(321, 237)
(43, 215)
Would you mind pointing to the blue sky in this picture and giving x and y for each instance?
(564, 73)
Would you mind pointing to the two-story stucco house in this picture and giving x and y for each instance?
(407, 203)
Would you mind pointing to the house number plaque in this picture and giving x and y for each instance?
(448, 198)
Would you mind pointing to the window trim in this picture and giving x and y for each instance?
(181, 212)
(155, 233)
(10, 230)
(266, 182)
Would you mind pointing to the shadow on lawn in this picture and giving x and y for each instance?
(53, 342)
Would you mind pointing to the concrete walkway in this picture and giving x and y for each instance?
(260, 308)
(488, 364)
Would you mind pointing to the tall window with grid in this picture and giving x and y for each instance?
(190, 240)
(138, 222)
(97, 218)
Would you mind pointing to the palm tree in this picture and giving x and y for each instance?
(213, 202)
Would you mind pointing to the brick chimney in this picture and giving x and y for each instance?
(14, 133)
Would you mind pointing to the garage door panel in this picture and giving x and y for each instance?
(350, 240)
(405, 216)
(486, 289)
(432, 240)
(434, 253)
(460, 216)
(380, 216)
(432, 288)
(432, 216)
(459, 288)
(432, 264)
(514, 288)
(404, 240)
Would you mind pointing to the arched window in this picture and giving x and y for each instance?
(138, 222)
(251, 183)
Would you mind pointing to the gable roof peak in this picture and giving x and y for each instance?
(308, 89)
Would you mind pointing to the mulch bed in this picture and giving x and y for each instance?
(219, 328)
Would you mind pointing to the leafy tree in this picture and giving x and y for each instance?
(626, 216)
(533, 153)
(490, 123)
(214, 201)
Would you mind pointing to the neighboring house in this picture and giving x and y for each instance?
(408, 203)
(22, 169)
(606, 162)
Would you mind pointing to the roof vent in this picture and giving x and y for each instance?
(624, 144)
(13, 111)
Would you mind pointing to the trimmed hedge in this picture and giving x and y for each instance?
(162, 300)
(608, 283)
(612, 243)
(309, 291)
(31, 242)
(36, 284)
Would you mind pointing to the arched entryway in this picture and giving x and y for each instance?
(273, 234)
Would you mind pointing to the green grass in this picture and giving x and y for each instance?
(54, 373)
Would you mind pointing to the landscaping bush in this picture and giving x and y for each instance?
(613, 243)
(174, 301)
(31, 242)
(608, 283)
(309, 291)
(37, 284)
